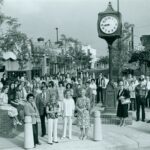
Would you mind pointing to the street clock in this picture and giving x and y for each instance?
(109, 24)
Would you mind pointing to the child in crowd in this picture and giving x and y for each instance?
(68, 112)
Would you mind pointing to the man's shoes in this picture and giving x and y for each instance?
(39, 143)
(42, 135)
(137, 119)
(70, 138)
(84, 138)
(62, 137)
(35, 146)
(143, 120)
(50, 143)
(55, 141)
(148, 121)
(80, 137)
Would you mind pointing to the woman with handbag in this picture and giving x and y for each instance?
(123, 101)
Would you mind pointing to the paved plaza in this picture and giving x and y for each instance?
(136, 136)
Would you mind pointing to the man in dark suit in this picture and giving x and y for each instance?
(4, 80)
(99, 88)
(30, 109)
(41, 101)
(141, 94)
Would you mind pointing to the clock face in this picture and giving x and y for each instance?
(109, 24)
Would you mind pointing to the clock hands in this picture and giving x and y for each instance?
(106, 25)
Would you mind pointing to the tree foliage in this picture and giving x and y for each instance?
(72, 48)
(103, 60)
(142, 57)
(122, 49)
(11, 39)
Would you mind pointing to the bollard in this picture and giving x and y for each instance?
(28, 133)
(97, 131)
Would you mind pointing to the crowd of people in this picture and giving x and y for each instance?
(63, 96)
(134, 95)
(49, 98)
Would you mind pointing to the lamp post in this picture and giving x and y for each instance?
(132, 37)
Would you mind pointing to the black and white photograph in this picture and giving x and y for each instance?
(74, 75)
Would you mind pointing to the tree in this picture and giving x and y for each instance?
(37, 52)
(14, 40)
(121, 49)
(72, 50)
(104, 60)
(142, 58)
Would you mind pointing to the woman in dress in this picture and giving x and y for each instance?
(89, 91)
(69, 88)
(19, 102)
(122, 109)
(23, 90)
(61, 90)
(37, 89)
(12, 111)
(68, 79)
(94, 92)
(83, 109)
(52, 89)
(12, 94)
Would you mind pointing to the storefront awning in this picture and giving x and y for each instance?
(8, 55)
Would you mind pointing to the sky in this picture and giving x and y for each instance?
(75, 18)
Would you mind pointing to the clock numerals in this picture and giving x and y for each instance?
(109, 24)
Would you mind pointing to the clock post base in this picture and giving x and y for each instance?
(111, 118)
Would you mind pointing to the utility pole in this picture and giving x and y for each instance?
(132, 37)
(56, 34)
(119, 42)
(118, 5)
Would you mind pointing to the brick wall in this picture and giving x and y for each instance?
(6, 124)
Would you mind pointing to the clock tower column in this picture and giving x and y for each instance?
(109, 27)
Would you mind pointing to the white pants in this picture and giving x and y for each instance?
(52, 130)
(60, 103)
(67, 119)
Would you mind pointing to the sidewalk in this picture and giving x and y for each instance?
(136, 136)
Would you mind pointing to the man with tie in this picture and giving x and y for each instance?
(41, 101)
(99, 88)
(104, 82)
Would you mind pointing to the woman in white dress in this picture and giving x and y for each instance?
(94, 92)
(61, 90)
(12, 111)
(37, 89)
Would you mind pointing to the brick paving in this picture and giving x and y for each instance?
(131, 137)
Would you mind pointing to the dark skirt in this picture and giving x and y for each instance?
(122, 110)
